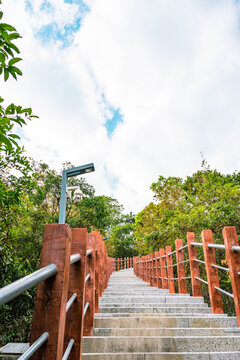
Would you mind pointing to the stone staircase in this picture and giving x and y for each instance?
(139, 322)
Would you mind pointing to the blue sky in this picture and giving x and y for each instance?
(138, 88)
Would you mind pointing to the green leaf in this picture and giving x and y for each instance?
(2, 58)
(14, 36)
(14, 136)
(14, 47)
(1, 15)
(4, 121)
(6, 74)
(16, 70)
(7, 27)
(5, 140)
(14, 61)
(10, 109)
(27, 110)
(8, 50)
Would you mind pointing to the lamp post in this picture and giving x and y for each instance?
(80, 170)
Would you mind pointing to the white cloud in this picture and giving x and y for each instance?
(172, 69)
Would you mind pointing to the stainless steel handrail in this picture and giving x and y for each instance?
(13, 290)
(34, 347)
(74, 258)
(196, 244)
(216, 246)
(220, 267)
(68, 350)
(224, 292)
(85, 309)
(183, 247)
(199, 261)
(203, 281)
(70, 301)
(87, 277)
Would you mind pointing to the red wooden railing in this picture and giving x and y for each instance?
(123, 263)
(66, 302)
(158, 268)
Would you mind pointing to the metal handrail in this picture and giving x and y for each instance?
(172, 278)
(70, 301)
(199, 261)
(224, 292)
(13, 290)
(216, 246)
(171, 265)
(35, 346)
(89, 252)
(196, 244)
(183, 247)
(220, 267)
(68, 350)
(171, 253)
(74, 258)
(203, 281)
(186, 277)
(85, 309)
(236, 248)
(183, 262)
(87, 277)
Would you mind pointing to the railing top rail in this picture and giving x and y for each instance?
(75, 258)
(16, 288)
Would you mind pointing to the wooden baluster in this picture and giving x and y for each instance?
(158, 270)
(194, 267)
(90, 286)
(182, 286)
(233, 259)
(74, 320)
(163, 269)
(212, 273)
(171, 285)
(52, 294)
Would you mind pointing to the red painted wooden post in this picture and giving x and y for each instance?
(51, 298)
(131, 262)
(127, 262)
(212, 273)
(151, 257)
(155, 268)
(171, 285)
(182, 286)
(158, 270)
(118, 267)
(97, 269)
(233, 259)
(90, 286)
(163, 269)
(101, 267)
(74, 320)
(194, 267)
(148, 269)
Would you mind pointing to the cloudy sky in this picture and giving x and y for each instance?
(137, 87)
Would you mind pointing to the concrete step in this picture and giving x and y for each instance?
(164, 356)
(140, 292)
(164, 321)
(166, 332)
(157, 309)
(150, 299)
(164, 305)
(102, 344)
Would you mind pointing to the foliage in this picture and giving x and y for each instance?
(7, 50)
(123, 241)
(205, 200)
